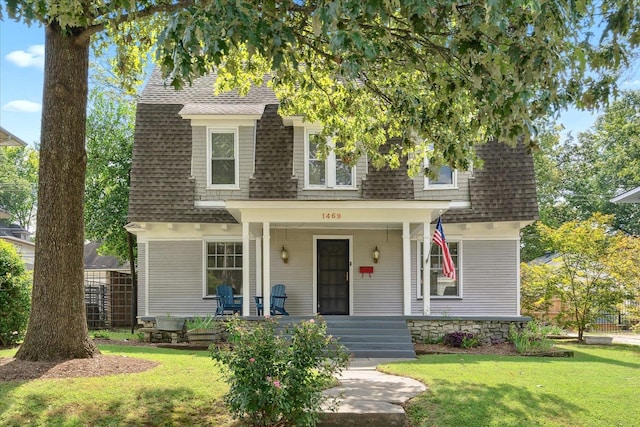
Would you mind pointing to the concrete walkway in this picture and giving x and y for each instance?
(371, 398)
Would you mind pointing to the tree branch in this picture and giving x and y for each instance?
(133, 15)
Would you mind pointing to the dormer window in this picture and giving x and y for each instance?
(446, 178)
(223, 164)
(330, 172)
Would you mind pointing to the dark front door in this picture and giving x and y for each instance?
(333, 276)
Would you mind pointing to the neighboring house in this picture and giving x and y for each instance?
(224, 190)
(108, 289)
(631, 196)
(19, 237)
(13, 233)
(7, 139)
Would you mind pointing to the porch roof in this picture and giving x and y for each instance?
(336, 211)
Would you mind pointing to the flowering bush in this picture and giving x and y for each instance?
(461, 339)
(276, 377)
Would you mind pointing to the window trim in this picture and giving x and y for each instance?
(329, 169)
(429, 186)
(419, 264)
(205, 264)
(236, 147)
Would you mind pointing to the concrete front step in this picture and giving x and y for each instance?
(372, 337)
(365, 337)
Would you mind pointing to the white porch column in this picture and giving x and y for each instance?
(266, 267)
(246, 276)
(426, 269)
(258, 266)
(406, 267)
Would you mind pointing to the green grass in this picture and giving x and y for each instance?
(598, 387)
(114, 334)
(185, 389)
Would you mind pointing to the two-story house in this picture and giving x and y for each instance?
(224, 190)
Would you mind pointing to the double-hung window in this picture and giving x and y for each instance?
(330, 172)
(440, 285)
(223, 266)
(446, 178)
(222, 151)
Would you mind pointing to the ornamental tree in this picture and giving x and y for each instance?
(595, 269)
(442, 76)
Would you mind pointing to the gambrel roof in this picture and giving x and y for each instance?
(162, 189)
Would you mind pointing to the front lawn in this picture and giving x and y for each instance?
(185, 389)
(598, 387)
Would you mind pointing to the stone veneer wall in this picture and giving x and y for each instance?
(489, 329)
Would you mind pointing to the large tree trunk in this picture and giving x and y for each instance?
(58, 326)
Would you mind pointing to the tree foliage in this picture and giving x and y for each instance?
(603, 162)
(437, 74)
(15, 295)
(594, 272)
(110, 128)
(579, 176)
(19, 183)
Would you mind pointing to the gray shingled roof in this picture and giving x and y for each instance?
(274, 159)
(93, 261)
(201, 92)
(386, 183)
(503, 190)
(162, 190)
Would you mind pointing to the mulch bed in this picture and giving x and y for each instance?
(503, 349)
(101, 365)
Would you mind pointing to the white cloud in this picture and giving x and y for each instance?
(635, 82)
(33, 57)
(22, 106)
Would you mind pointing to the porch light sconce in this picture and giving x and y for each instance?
(376, 255)
(284, 255)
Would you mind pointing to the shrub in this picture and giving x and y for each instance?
(15, 295)
(276, 379)
(461, 339)
(198, 322)
(532, 338)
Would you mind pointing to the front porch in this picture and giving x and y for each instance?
(377, 336)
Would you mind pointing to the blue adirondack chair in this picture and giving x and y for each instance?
(278, 298)
(226, 301)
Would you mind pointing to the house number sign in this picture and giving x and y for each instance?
(331, 215)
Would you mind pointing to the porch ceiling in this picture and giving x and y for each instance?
(330, 213)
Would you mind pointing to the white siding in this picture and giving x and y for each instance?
(460, 194)
(176, 275)
(490, 275)
(175, 278)
(380, 294)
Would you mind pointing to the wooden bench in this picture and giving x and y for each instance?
(148, 332)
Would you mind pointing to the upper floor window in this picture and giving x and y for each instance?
(446, 178)
(330, 172)
(222, 150)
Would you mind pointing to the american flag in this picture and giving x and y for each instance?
(448, 269)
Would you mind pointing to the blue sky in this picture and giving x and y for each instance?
(21, 77)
